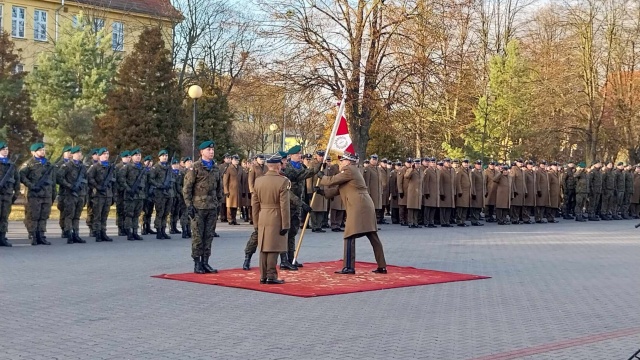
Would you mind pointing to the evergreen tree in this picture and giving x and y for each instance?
(16, 124)
(71, 83)
(145, 106)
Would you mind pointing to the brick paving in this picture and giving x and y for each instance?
(555, 283)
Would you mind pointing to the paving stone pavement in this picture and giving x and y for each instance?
(550, 283)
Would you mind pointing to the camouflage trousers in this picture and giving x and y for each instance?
(89, 201)
(120, 211)
(626, 202)
(581, 203)
(163, 208)
(608, 202)
(203, 226)
(60, 206)
(132, 210)
(594, 202)
(619, 203)
(5, 210)
(178, 208)
(39, 211)
(252, 243)
(101, 207)
(147, 208)
(291, 235)
(73, 206)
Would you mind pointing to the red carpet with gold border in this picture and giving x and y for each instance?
(318, 279)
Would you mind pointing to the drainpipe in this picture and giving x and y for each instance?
(58, 18)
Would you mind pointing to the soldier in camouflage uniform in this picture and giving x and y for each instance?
(297, 174)
(186, 165)
(118, 195)
(66, 157)
(162, 179)
(132, 179)
(628, 192)
(94, 160)
(101, 177)
(38, 176)
(147, 204)
(595, 190)
(569, 186)
(202, 192)
(177, 206)
(619, 191)
(608, 193)
(581, 182)
(73, 185)
(9, 190)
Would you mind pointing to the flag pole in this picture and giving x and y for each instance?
(324, 159)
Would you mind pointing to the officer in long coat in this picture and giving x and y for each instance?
(413, 177)
(373, 179)
(385, 170)
(477, 193)
(430, 193)
(542, 191)
(519, 191)
(9, 190)
(362, 220)
(463, 192)
(529, 205)
(258, 169)
(490, 192)
(226, 162)
(554, 193)
(233, 188)
(447, 193)
(635, 198)
(504, 193)
(393, 192)
(272, 218)
(202, 192)
(337, 207)
(403, 188)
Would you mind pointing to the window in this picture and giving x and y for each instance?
(117, 36)
(17, 21)
(98, 24)
(18, 69)
(40, 25)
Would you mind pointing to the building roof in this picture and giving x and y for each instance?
(160, 8)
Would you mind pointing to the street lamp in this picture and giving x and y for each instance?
(273, 127)
(195, 92)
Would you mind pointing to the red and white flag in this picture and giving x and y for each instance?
(341, 141)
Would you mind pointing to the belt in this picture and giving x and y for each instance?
(269, 206)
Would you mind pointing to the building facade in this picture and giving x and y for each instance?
(35, 25)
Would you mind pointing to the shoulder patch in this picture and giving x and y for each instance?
(288, 184)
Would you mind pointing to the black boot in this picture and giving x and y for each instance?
(145, 229)
(3, 240)
(69, 236)
(197, 266)
(285, 264)
(247, 262)
(185, 234)
(76, 238)
(135, 235)
(207, 268)
(129, 234)
(159, 234)
(42, 239)
(103, 235)
(34, 239)
(122, 232)
(172, 229)
(65, 235)
(293, 260)
(97, 235)
(150, 231)
(164, 234)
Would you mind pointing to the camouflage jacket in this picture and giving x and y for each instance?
(101, 180)
(298, 177)
(73, 179)
(202, 187)
(32, 172)
(569, 180)
(118, 187)
(131, 176)
(179, 183)
(11, 181)
(619, 179)
(162, 179)
(595, 181)
(582, 181)
(628, 182)
(608, 180)
(59, 173)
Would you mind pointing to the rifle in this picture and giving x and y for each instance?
(79, 180)
(167, 178)
(136, 184)
(8, 176)
(45, 179)
(107, 179)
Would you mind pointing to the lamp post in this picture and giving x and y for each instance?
(195, 92)
(273, 127)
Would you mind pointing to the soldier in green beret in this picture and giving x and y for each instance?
(132, 179)
(73, 185)
(66, 157)
(9, 190)
(101, 178)
(161, 177)
(177, 206)
(38, 176)
(118, 195)
(148, 205)
(202, 192)
(93, 160)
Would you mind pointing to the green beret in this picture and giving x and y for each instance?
(37, 146)
(134, 152)
(283, 154)
(125, 153)
(66, 148)
(294, 150)
(75, 149)
(102, 151)
(148, 158)
(163, 152)
(175, 161)
(582, 165)
(186, 158)
(3, 144)
(206, 144)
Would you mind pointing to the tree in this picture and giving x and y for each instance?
(71, 83)
(144, 109)
(16, 124)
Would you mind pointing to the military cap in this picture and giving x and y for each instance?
(235, 157)
(620, 163)
(493, 163)
(446, 160)
(349, 156)
(328, 158)
(36, 146)
(102, 151)
(309, 156)
(125, 153)
(207, 144)
(66, 148)
(553, 163)
(515, 163)
(175, 161)
(478, 162)
(261, 156)
(135, 152)
(283, 154)
(295, 150)
(94, 151)
(163, 152)
(3, 145)
(398, 163)
(320, 152)
(226, 155)
(519, 160)
(465, 161)
(542, 162)
(385, 161)
(433, 159)
(148, 158)
(374, 156)
(440, 163)
(366, 161)
(274, 159)
(186, 158)
(505, 167)
(529, 162)
(74, 149)
(409, 160)
(571, 162)
(417, 161)
(456, 161)
(582, 164)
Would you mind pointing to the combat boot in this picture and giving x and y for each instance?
(293, 260)
(135, 235)
(144, 229)
(103, 235)
(247, 262)
(159, 234)
(65, 235)
(4, 241)
(69, 238)
(185, 234)
(206, 267)
(150, 231)
(76, 238)
(122, 232)
(285, 264)
(197, 266)
(42, 239)
(172, 229)
(164, 234)
(129, 235)
(34, 238)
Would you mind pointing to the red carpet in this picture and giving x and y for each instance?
(318, 279)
